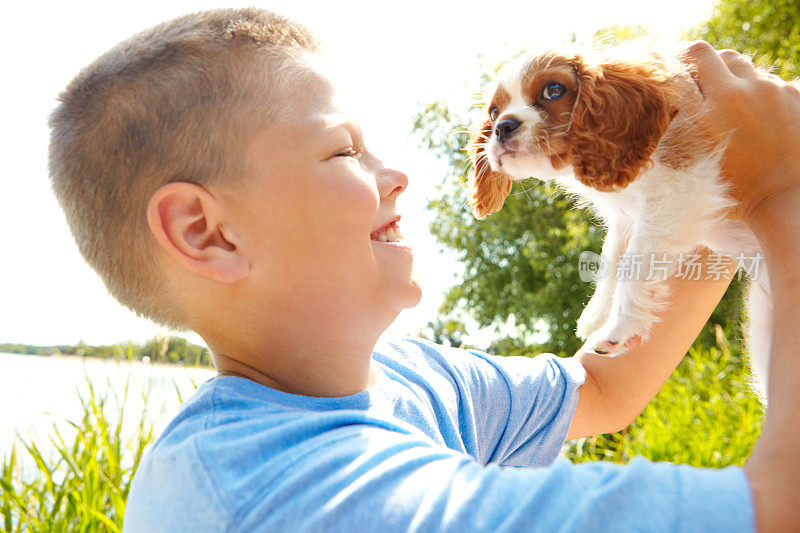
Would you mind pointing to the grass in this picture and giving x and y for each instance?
(78, 483)
(704, 416)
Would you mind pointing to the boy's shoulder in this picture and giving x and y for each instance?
(422, 360)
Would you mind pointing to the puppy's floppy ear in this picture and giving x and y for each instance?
(488, 189)
(623, 110)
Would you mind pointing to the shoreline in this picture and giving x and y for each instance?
(118, 360)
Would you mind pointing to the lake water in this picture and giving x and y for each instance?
(38, 391)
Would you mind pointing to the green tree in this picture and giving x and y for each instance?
(769, 30)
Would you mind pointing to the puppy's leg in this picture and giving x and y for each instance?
(640, 294)
(599, 307)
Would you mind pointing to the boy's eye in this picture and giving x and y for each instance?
(349, 152)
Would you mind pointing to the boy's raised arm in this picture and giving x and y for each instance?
(762, 113)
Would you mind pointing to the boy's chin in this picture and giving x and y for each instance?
(401, 301)
(401, 287)
(414, 294)
(405, 297)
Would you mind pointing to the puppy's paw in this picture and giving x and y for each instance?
(613, 339)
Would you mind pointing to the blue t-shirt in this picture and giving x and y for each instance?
(435, 445)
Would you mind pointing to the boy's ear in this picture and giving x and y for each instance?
(186, 222)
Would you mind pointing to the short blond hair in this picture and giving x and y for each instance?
(173, 103)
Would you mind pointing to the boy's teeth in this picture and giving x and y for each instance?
(390, 234)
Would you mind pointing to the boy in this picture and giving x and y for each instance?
(214, 151)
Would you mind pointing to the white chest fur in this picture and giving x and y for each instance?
(663, 216)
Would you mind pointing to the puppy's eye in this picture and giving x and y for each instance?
(553, 91)
(493, 113)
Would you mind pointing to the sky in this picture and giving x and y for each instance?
(396, 56)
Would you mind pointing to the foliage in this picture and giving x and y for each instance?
(161, 349)
(615, 34)
(85, 484)
(769, 30)
(704, 416)
(446, 332)
(28, 349)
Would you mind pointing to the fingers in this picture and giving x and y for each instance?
(710, 71)
(740, 65)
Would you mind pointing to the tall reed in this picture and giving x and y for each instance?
(79, 480)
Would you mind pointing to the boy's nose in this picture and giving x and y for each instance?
(391, 182)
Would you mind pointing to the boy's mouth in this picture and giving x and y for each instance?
(388, 233)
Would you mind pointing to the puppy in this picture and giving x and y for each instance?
(620, 131)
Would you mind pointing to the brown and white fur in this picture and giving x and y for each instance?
(622, 135)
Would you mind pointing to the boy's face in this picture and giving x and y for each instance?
(305, 214)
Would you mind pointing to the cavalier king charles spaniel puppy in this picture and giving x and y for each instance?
(620, 132)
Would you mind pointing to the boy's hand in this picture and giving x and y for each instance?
(760, 115)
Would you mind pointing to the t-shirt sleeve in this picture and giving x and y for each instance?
(513, 411)
(378, 480)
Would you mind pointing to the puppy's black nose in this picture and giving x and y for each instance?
(505, 128)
